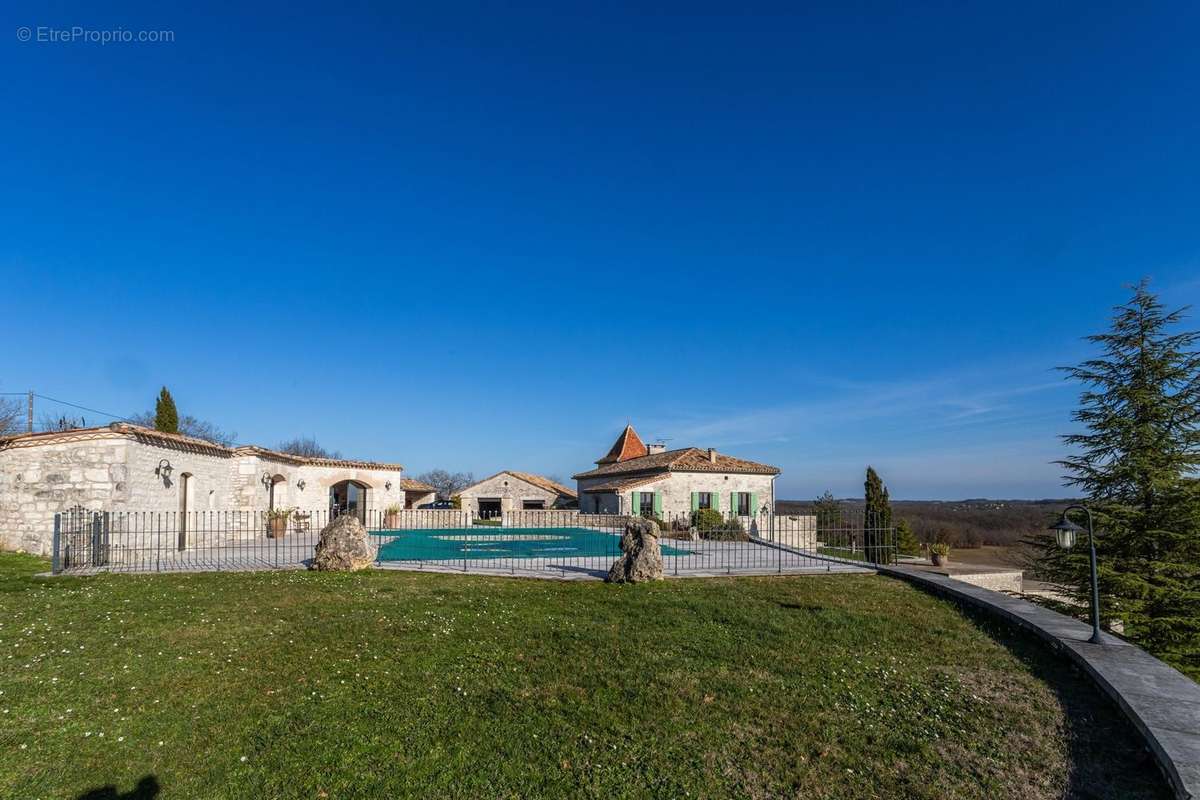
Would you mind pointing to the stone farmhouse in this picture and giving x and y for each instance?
(128, 467)
(515, 491)
(635, 478)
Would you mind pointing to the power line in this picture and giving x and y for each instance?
(81, 408)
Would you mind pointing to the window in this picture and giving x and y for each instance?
(743, 504)
(704, 499)
(527, 504)
(646, 504)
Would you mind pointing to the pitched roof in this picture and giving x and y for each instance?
(178, 441)
(618, 485)
(117, 430)
(410, 485)
(312, 461)
(545, 483)
(628, 445)
(688, 459)
(537, 480)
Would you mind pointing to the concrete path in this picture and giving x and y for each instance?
(1161, 702)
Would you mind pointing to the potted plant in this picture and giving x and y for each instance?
(277, 522)
(391, 516)
(939, 553)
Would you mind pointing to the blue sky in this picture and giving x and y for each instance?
(485, 236)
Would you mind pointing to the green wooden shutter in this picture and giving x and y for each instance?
(636, 507)
(753, 504)
(733, 504)
(695, 501)
(716, 500)
(658, 504)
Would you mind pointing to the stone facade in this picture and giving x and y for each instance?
(675, 491)
(636, 478)
(116, 468)
(513, 491)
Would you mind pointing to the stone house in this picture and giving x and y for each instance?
(514, 491)
(124, 467)
(635, 478)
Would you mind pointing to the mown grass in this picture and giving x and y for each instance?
(391, 684)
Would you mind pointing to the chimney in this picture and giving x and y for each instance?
(656, 447)
(712, 455)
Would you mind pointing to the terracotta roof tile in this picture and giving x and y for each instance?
(180, 442)
(689, 459)
(545, 483)
(627, 446)
(619, 485)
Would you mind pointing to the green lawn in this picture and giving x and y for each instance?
(391, 684)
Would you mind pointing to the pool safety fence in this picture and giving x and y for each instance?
(697, 543)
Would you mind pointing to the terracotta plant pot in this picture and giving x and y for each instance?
(391, 521)
(938, 560)
(277, 528)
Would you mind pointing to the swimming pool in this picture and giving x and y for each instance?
(488, 542)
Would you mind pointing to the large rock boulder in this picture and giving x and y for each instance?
(641, 558)
(343, 546)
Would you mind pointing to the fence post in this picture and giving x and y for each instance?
(56, 556)
(95, 537)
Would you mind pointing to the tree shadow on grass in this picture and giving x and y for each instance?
(147, 789)
(1108, 757)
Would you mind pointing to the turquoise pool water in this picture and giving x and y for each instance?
(488, 542)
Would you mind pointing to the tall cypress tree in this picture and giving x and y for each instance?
(1136, 461)
(166, 417)
(877, 519)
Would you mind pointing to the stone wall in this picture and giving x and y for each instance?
(676, 489)
(429, 518)
(533, 518)
(511, 491)
(796, 530)
(37, 482)
(103, 470)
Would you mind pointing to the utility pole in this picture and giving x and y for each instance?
(29, 416)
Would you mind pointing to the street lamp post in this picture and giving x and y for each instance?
(1065, 533)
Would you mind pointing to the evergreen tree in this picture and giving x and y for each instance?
(877, 519)
(906, 540)
(166, 417)
(828, 511)
(1136, 461)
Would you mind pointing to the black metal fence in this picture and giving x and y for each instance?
(525, 542)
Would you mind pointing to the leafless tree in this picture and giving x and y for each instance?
(11, 417)
(190, 426)
(306, 446)
(447, 483)
(63, 423)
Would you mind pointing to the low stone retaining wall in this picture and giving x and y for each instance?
(999, 581)
(1161, 702)
(410, 519)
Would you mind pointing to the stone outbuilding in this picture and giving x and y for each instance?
(515, 491)
(123, 467)
(635, 478)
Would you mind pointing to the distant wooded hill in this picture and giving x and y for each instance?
(961, 523)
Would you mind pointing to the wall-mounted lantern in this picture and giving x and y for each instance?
(388, 486)
(163, 470)
(300, 484)
(267, 480)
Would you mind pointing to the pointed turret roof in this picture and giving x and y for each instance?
(628, 445)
